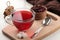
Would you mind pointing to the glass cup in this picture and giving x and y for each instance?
(22, 19)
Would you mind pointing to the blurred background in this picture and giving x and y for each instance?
(52, 5)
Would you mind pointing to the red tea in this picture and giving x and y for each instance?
(23, 19)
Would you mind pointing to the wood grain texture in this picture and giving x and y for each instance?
(11, 31)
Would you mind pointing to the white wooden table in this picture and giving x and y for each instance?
(16, 3)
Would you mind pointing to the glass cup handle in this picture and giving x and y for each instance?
(8, 19)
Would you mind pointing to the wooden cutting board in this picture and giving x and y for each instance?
(11, 31)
